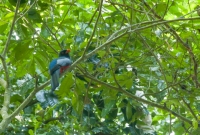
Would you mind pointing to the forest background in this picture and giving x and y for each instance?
(135, 66)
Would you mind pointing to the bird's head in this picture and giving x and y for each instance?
(64, 53)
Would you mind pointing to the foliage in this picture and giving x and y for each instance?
(135, 67)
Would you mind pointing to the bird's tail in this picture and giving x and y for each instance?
(55, 80)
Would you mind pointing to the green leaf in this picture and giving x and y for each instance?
(25, 30)
(3, 28)
(175, 10)
(21, 71)
(196, 131)
(16, 98)
(9, 16)
(66, 85)
(108, 106)
(14, 2)
(30, 131)
(77, 103)
(129, 83)
(160, 7)
(81, 87)
(80, 37)
(43, 5)
(34, 15)
(30, 66)
(44, 31)
(22, 50)
(41, 62)
(129, 111)
(195, 124)
(163, 62)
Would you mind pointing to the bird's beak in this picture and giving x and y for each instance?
(68, 50)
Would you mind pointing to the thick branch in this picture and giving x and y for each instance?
(4, 109)
(7, 93)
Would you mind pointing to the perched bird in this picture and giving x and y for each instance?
(58, 66)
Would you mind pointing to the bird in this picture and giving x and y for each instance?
(58, 66)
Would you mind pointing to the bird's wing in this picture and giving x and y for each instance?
(52, 64)
(54, 69)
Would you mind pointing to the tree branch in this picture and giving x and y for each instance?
(28, 99)
(163, 107)
(7, 93)
(22, 15)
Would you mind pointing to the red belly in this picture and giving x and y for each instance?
(62, 69)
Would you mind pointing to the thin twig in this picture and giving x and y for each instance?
(26, 10)
(42, 39)
(60, 24)
(53, 35)
(93, 16)
(95, 27)
(11, 30)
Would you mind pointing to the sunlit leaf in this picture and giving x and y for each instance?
(3, 28)
(195, 124)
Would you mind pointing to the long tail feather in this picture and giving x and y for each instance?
(55, 80)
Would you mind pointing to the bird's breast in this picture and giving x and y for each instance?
(63, 68)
